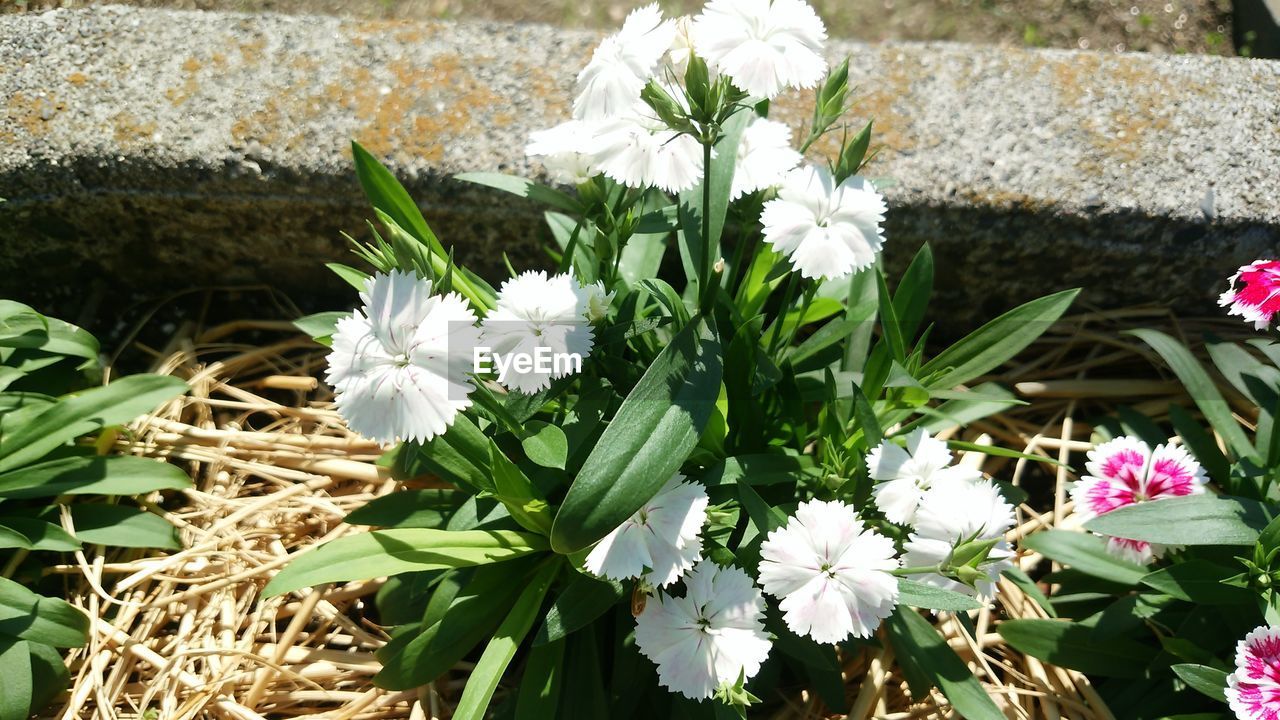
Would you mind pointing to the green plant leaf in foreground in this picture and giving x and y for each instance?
(1086, 553)
(15, 679)
(647, 441)
(1194, 520)
(92, 475)
(1210, 681)
(1076, 646)
(919, 595)
(28, 616)
(924, 654)
(122, 526)
(390, 552)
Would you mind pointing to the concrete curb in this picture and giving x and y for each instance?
(153, 148)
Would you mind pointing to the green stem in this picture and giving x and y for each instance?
(787, 296)
(901, 572)
(809, 292)
(708, 262)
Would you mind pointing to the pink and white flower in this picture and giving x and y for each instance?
(832, 573)
(1254, 293)
(1253, 690)
(1126, 471)
(712, 635)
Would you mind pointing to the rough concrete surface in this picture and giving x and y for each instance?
(166, 148)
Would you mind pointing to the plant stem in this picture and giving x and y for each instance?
(900, 572)
(708, 261)
(787, 296)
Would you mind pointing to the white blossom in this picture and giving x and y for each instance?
(765, 156)
(714, 634)
(399, 364)
(906, 473)
(598, 301)
(538, 329)
(953, 513)
(832, 573)
(565, 150)
(828, 230)
(622, 64)
(661, 537)
(762, 45)
(639, 151)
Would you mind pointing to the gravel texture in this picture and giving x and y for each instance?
(157, 148)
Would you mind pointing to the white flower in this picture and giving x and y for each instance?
(565, 150)
(538, 331)
(598, 301)
(827, 230)
(907, 473)
(952, 513)
(661, 536)
(765, 156)
(831, 572)
(712, 635)
(622, 64)
(399, 364)
(762, 45)
(639, 151)
(681, 45)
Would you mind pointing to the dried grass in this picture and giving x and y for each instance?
(185, 635)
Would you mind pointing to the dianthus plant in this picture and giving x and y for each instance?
(695, 461)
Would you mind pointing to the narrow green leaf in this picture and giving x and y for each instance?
(28, 616)
(497, 655)
(1075, 646)
(319, 325)
(92, 475)
(925, 654)
(41, 535)
(1210, 681)
(122, 526)
(647, 441)
(426, 508)
(92, 410)
(1200, 582)
(541, 682)
(390, 552)
(1086, 553)
(1193, 520)
(919, 595)
(581, 602)
(524, 188)
(989, 346)
(15, 679)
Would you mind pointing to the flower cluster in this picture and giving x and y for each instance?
(1126, 471)
(1253, 690)
(1253, 293)
(644, 117)
(834, 575)
(402, 365)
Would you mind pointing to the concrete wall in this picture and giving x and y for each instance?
(161, 149)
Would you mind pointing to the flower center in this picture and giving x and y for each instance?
(828, 570)
(704, 624)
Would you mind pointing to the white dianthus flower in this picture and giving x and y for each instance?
(598, 301)
(639, 151)
(714, 634)
(622, 65)
(828, 230)
(906, 473)
(399, 364)
(661, 536)
(565, 150)
(537, 329)
(765, 156)
(832, 573)
(957, 512)
(762, 45)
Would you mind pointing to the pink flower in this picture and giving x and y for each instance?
(1253, 690)
(1124, 472)
(1257, 300)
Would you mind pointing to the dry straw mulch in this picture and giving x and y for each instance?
(186, 635)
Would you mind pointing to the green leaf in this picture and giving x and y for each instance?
(1075, 646)
(524, 188)
(763, 469)
(387, 194)
(1086, 553)
(919, 595)
(40, 535)
(390, 552)
(92, 410)
(546, 444)
(1029, 586)
(1201, 388)
(15, 679)
(427, 508)
(925, 654)
(1193, 520)
(540, 684)
(349, 275)
(49, 675)
(122, 526)
(320, 325)
(911, 298)
(28, 616)
(516, 491)
(991, 345)
(1207, 680)
(92, 475)
(1199, 581)
(647, 441)
(497, 655)
(581, 602)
